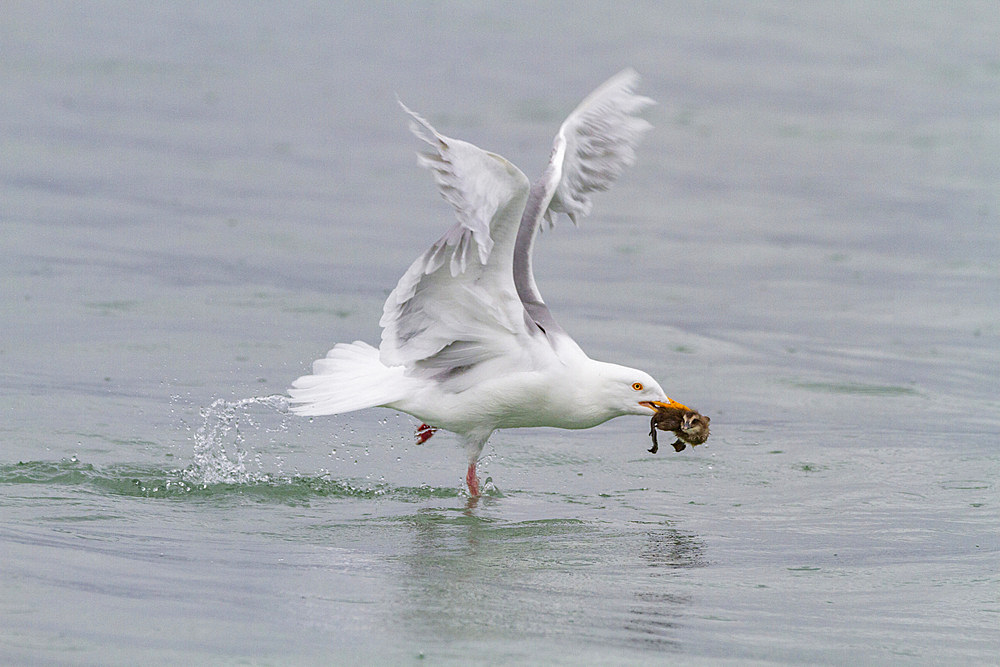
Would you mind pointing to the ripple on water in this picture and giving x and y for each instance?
(156, 482)
(856, 388)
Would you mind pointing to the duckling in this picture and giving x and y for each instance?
(689, 426)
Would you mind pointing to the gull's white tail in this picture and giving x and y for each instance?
(350, 377)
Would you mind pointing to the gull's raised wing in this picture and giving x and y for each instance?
(456, 306)
(593, 146)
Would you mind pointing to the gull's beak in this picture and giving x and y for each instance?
(656, 406)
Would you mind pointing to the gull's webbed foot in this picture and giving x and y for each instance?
(424, 433)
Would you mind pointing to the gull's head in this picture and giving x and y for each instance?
(629, 391)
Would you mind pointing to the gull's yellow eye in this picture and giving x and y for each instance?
(637, 386)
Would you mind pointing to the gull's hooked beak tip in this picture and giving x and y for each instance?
(656, 406)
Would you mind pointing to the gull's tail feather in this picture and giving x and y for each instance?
(350, 377)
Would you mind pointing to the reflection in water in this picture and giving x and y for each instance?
(653, 619)
(670, 548)
(654, 612)
(469, 575)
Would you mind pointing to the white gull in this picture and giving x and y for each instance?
(468, 344)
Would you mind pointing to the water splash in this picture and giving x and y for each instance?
(219, 453)
(229, 454)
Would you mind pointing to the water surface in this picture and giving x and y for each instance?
(198, 201)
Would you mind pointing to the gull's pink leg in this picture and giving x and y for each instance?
(472, 481)
(424, 433)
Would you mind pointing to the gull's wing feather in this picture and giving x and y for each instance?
(456, 306)
(473, 184)
(596, 142)
(593, 146)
